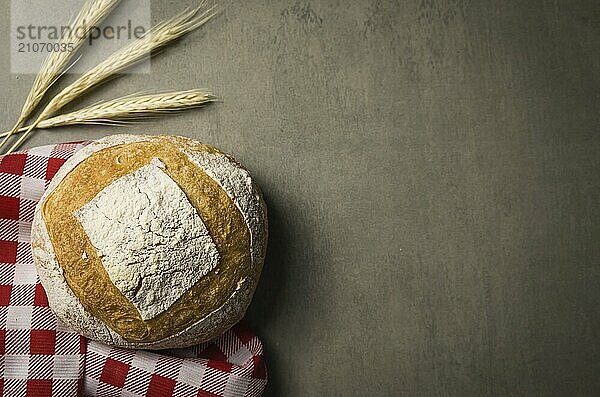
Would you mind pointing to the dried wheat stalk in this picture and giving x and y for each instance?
(156, 38)
(130, 108)
(92, 13)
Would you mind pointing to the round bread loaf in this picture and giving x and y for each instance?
(150, 241)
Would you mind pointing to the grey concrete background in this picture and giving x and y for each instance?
(432, 174)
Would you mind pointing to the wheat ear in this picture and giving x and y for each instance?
(92, 13)
(130, 108)
(158, 37)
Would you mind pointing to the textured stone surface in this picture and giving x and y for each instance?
(431, 170)
(152, 242)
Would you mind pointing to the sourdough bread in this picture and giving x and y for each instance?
(150, 241)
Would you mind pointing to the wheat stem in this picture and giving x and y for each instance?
(126, 108)
(158, 37)
(92, 13)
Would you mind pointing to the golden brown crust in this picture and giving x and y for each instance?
(87, 277)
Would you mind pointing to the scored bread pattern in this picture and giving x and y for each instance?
(80, 291)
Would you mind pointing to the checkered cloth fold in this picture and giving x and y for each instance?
(40, 357)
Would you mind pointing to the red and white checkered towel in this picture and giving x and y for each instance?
(40, 357)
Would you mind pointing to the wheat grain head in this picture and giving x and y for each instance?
(158, 37)
(132, 108)
(129, 108)
(92, 13)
